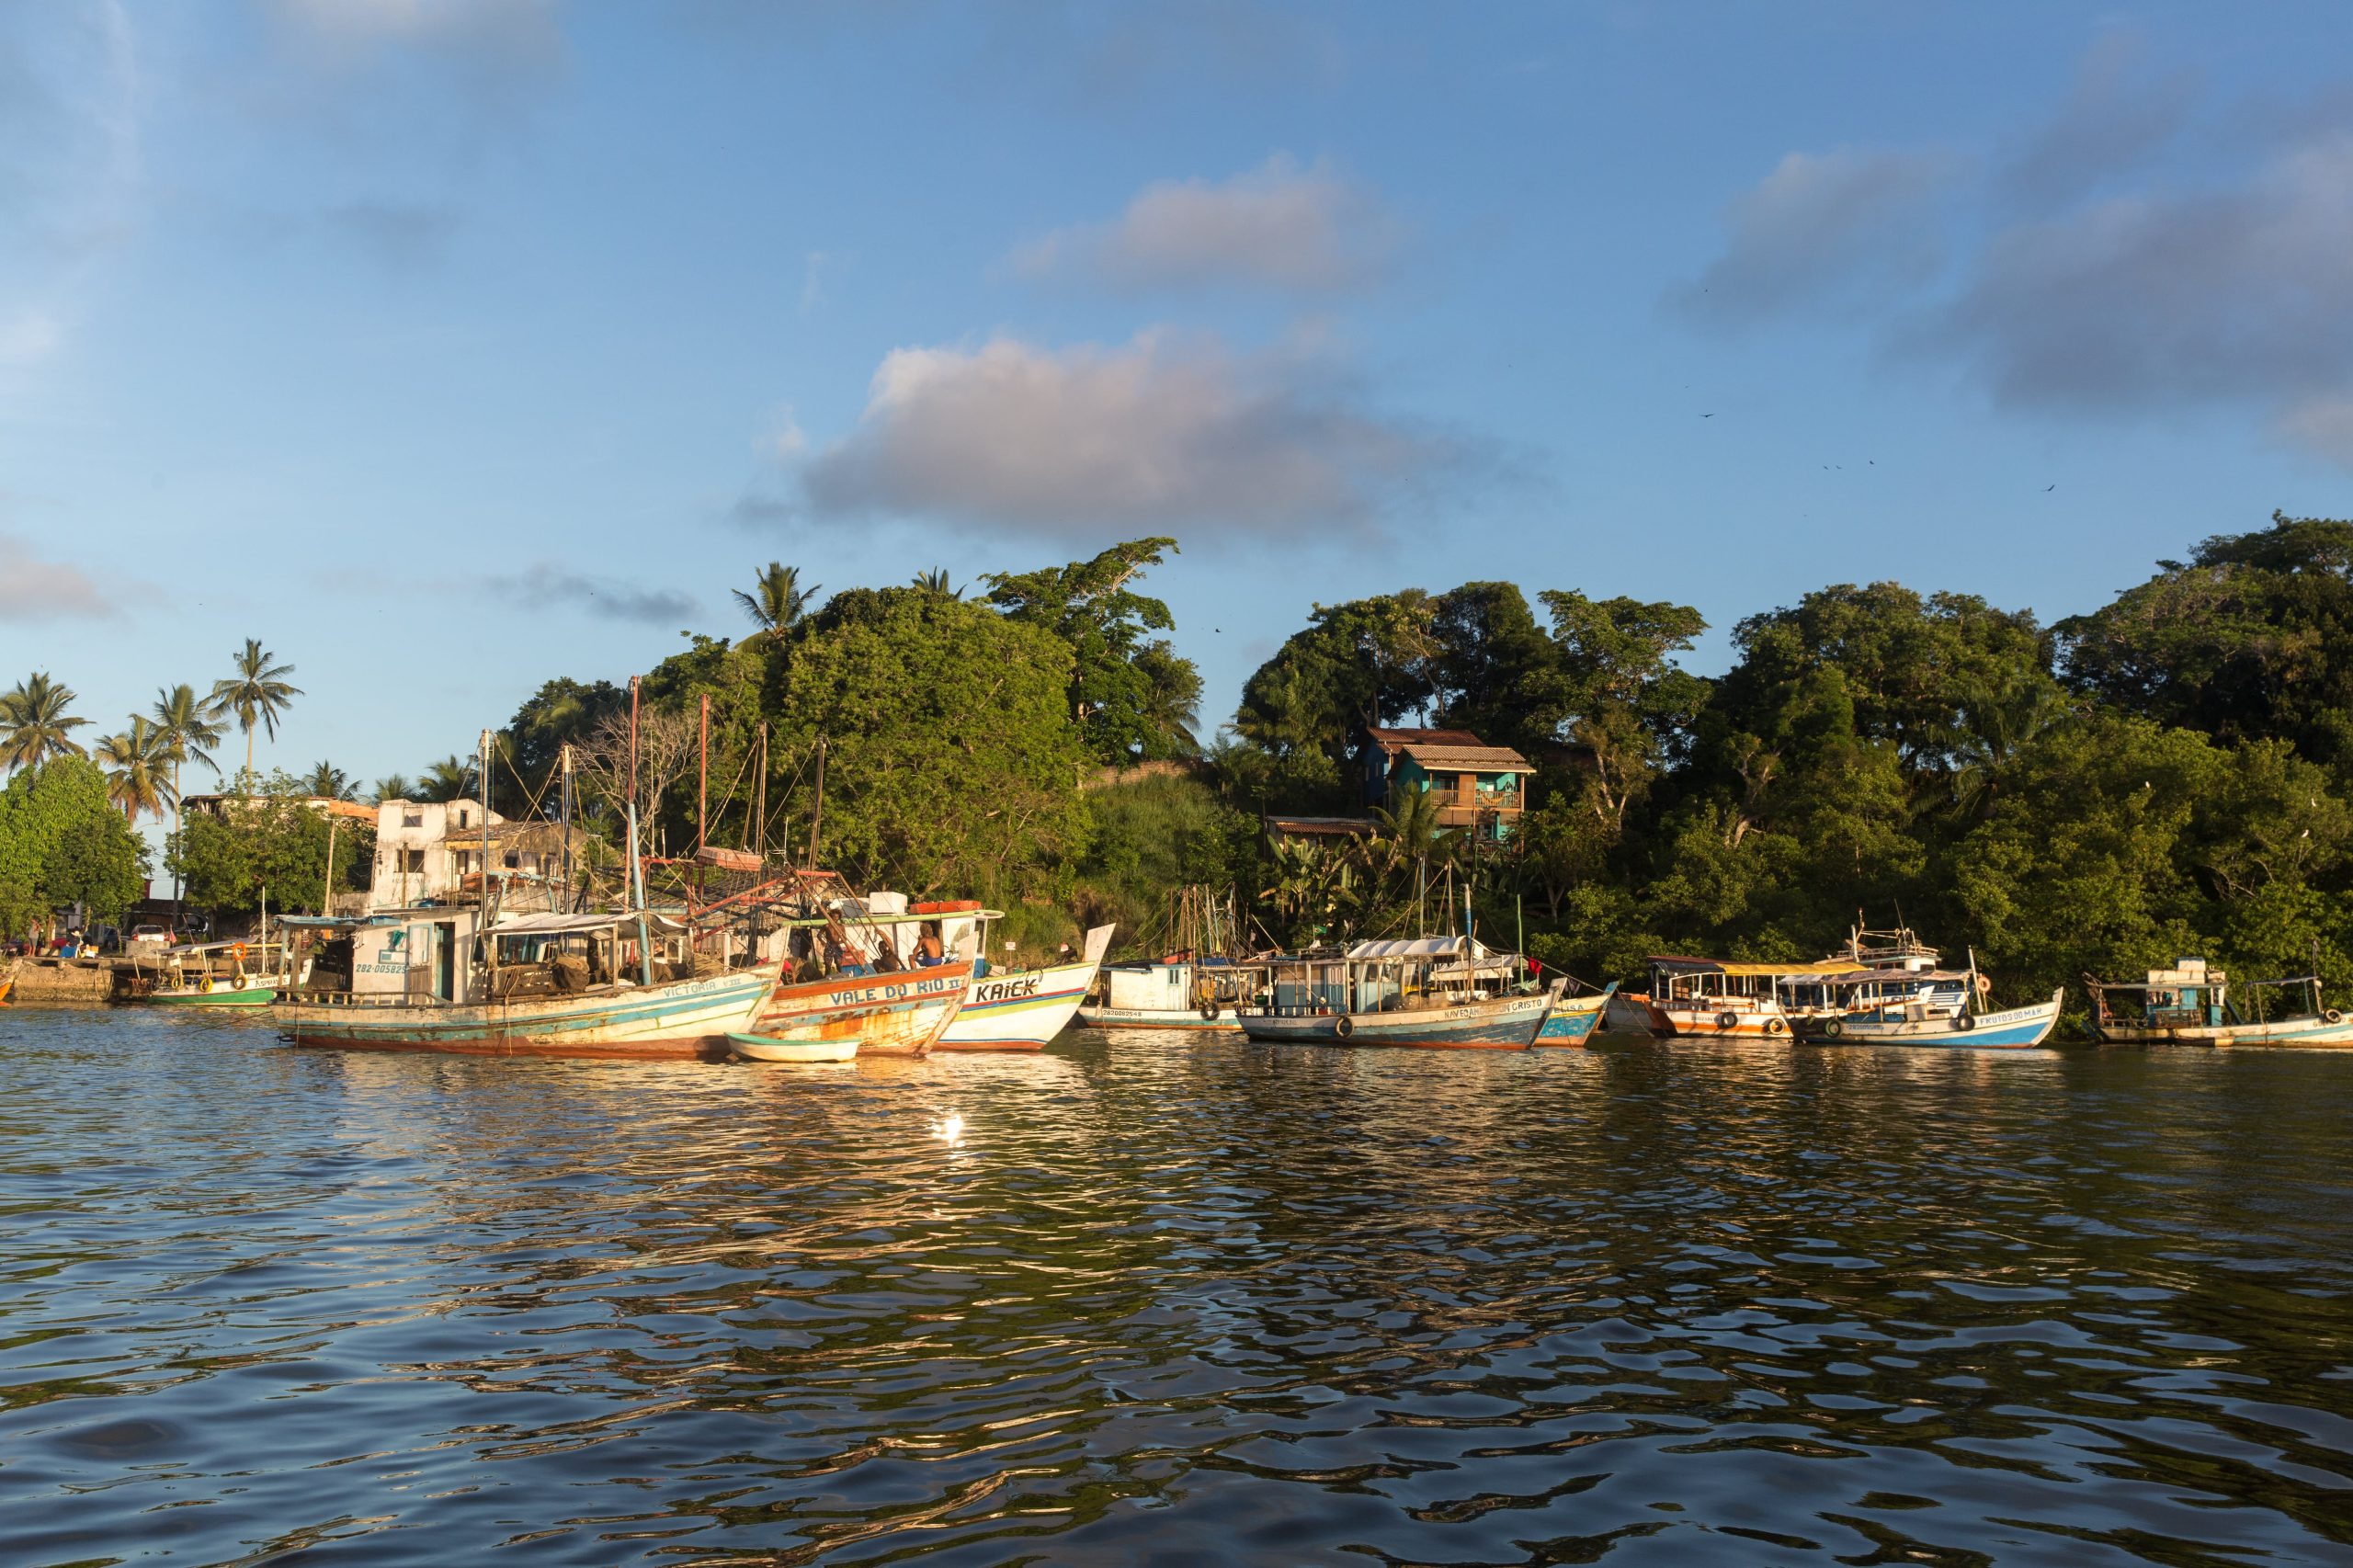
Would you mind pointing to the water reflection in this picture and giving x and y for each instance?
(1737, 1304)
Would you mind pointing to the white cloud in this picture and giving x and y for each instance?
(519, 27)
(1157, 432)
(33, 588)
(545, 585)
(1278, 226)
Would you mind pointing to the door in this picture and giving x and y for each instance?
(445, 961)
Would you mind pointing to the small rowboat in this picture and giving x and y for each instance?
(210, 992)
(761, 1047)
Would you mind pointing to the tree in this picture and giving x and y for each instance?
(1362, 662)
(1491, 669)
(395, 787)
(778, 602)
(61, 841)
(1130, 695)
(271, 842)
(1629, 707)
(259, 694)
(328, 782)
(2251, 639)
(187, 732)
(935, 581)
(451, 779)
(34, 723)
(561, 713)
(136, 761)
(952, 762)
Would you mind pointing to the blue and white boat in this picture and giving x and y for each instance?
(1914, 1023)
(1573, 1018)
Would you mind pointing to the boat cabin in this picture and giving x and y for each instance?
(1403, 975)
(2193, 995)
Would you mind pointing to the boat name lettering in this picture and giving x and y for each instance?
(1011, 990)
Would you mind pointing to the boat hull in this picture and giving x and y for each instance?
(898, 1013)
(1226, 1022)
(685, 1018)
(2300, 1034)
(1508, 1023)
(2019, 1028)
(1024, 1009)
(760, 1048)
(1719, 1023)
(1572, 1019)
(218, 996)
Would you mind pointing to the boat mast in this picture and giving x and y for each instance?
(489, 942)
(817, 815)
(760, 799)
(564, 810)
(637, 892)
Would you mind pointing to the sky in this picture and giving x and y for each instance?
(450, 347)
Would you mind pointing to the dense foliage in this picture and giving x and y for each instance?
(272, 843)
(61, 843)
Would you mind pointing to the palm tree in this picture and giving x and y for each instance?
(135, 761)
(325, 781)
(396, 788)
(256, 694)
(451, 779)
(185, 728)
(935, 581)
(34, 723)
(777, 601)
(1994, 729)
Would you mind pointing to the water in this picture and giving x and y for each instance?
(1163, 1300)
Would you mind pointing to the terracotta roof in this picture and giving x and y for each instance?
(1391, 740)
(1450, 757)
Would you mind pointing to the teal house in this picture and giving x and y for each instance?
(1479, 787)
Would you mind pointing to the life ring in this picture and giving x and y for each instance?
(1775, 1026)
(1344, 1026)
(1963, 1022)
(1210, 1008)
(204, 986)
(238, 953)
(1985, 985)
(1833, 1027)
(1727, 1020)
(2333, 1017)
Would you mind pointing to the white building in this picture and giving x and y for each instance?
(424, 851)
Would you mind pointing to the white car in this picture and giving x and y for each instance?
(150, 936)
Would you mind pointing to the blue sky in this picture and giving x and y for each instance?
(449, 347)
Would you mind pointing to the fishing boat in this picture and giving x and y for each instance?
(1572, 1019)
(1019, 1008)
(1629, 1013)
(7, 983)
(1200, 983)
(443, 979)
(2192, 1004)
(857, 969)
(1900, 1004)
(1705, 999)
(765, 1048)
(1446, 992)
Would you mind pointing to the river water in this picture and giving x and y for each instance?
(1156, 1300)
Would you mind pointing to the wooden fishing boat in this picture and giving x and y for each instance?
(1695, 998)
(1967, 1028)
(1195, 986)
(1572, 1019)
(2191, 1003)
(1019, 1009)
(761, 1047)
(1441, 993)
(894, 1012)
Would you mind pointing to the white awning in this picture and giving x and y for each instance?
(1422, 948)
(555, 924)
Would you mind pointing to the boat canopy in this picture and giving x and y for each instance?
(555, 924)
(1675, 965)
(1423, 948)
(1848, 975)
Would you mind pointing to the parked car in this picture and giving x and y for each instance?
(150, 936)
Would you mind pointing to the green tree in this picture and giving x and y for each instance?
(34, 723)
(1366, 662)
(395, 787)
(2251, 639)
(1132, 696)
(935, 580)
(137, 763)
(1493, 670)
(778, 602)
(328, 782)
(259, 694)
(952, 762)
(451, 779)
(189, 733)
(271, 841)
(63, 841)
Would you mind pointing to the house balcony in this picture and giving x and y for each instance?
(1499, 814)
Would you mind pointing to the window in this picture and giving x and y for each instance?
(462, 817)
(514, 861)
(413, 860)
(412, 819)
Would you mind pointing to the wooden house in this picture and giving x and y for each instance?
(1479, 787)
